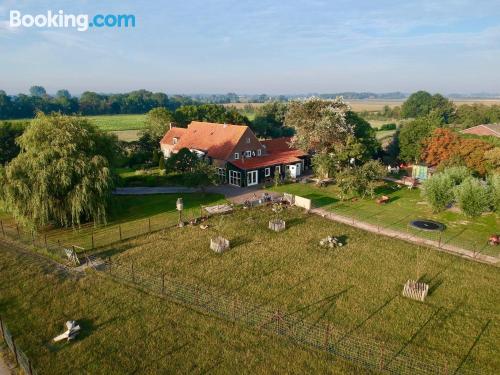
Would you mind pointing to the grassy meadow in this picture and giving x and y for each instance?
(404, 205)
(357, 288)
(126, 331)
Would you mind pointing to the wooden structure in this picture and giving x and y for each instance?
(218, 209)
(415, 290)
(277, 225)
(219, 244)
(383, 199)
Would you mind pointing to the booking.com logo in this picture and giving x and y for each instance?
(62, 20)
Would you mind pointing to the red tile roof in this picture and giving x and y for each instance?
(171, 134)
(277, 144)
(279, 152)
(217, 140)
(484, 129)
(286, 157)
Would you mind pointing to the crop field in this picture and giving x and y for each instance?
(404, 205)
(118, 122)
(127, 331)
(357, 288)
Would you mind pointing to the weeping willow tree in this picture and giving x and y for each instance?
(60, 176)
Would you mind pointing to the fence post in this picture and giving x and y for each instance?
(109, 260)
(18, 233)
(15, 349)
(30, 367)
(327, 337)
(3, 230)
(92, 239)
(120, 230)
(162, 283)
(149, 224)
(2, 329)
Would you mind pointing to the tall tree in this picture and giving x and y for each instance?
(319, 124)
(37, 91)
(421, 103)
(157, 123)
(9, 149)
(60, 175)
(412, 137)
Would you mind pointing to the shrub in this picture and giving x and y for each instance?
(390, 126)
(472, 197)
(457, 174)
(494, 191)
(438, 191)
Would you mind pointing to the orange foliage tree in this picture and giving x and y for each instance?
(444, 146)
(440, 146)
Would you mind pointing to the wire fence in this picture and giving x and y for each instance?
(20, 357)
(320, 335)
(465, 239)
(85, 239)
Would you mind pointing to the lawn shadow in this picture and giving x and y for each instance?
(319, 200)
(295, 221)
(239, 241)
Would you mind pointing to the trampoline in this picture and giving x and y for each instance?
(427, 225)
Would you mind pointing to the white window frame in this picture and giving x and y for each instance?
(221, 173)
(267, 172)
(175, 140)
(259, 152)
(234, 178)
(251, 175)
(277, 169)
(248, 154)
(248, 140)
(236, 155)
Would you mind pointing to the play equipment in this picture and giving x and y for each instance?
(427, 225)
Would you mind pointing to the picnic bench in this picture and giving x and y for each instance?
(383, 199)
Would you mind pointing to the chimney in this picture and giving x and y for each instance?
(170, 125)
(225, 125)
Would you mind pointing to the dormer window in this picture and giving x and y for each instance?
(236, 156)
(248, 140)
(248, 154)
(175, 140)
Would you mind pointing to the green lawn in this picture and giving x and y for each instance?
(126, 331)
(111, 122)
(148, 177)
(404, 205)
(356, 288)
(129, 216)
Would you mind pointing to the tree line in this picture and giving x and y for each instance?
(89, 103)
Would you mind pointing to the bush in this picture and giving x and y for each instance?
(390, 126)
(438, 191)
(457, 174)
(494, 191)
(472, 197)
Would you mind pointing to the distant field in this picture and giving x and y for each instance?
(111, 122)
(118, 122)
(127, 135)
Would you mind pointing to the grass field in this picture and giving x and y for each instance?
(356, 288)
(126, 331)
(404, 205)
(128, 217)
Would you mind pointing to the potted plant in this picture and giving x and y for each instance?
(219, 244)
(277, 224)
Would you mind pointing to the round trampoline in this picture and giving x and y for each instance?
(427, 225)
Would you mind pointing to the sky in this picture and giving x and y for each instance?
(258, 46)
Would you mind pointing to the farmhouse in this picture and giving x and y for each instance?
(240, 157)
(484, 130)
